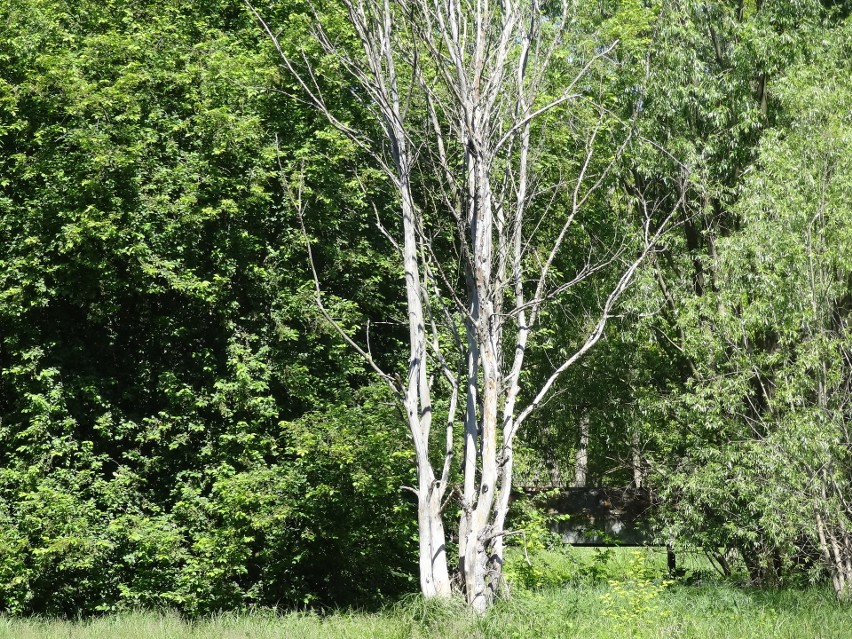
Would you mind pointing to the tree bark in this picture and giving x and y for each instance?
(581, 465)
(434, 573)
(636, 460)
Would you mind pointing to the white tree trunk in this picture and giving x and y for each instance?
(434, 573)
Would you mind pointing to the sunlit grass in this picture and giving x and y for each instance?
(699, 612)
(701, 608)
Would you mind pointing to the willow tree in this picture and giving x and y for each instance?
(765, 468)
(465, 96)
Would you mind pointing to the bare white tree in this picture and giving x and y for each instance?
(460, 89)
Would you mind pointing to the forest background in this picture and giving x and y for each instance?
(179, 424)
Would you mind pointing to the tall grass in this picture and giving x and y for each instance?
(683, 612)
(585, 595)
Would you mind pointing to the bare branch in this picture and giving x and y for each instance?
(365, 354)
(596, 334)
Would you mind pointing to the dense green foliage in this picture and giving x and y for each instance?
(724, 385)
(180, 427)
(752, 441)
(177, 425)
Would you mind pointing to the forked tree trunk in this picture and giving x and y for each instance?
(434, 573)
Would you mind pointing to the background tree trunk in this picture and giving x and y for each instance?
(581, 465)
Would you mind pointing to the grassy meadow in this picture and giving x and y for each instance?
(610, 595)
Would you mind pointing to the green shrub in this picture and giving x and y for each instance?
(631, 602)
